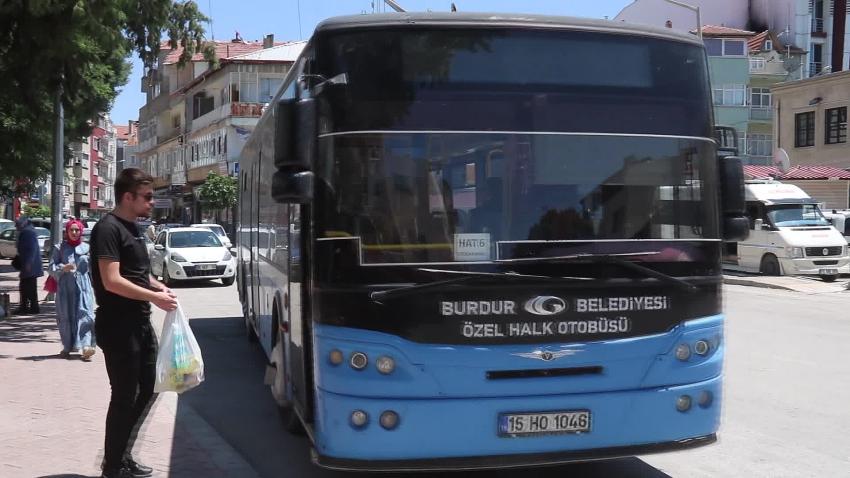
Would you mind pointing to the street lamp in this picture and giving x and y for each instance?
(692, 8)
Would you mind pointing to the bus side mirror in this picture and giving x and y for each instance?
(292, 187)
(736, 226)
(295, 134)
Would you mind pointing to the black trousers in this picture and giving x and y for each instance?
(29, 294)
(129, 350)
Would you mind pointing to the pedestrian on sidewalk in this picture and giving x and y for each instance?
(69, 267)
(29, 263)
(124, 289)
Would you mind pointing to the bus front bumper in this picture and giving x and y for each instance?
(462, 433)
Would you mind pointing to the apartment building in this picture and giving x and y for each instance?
(197, 119)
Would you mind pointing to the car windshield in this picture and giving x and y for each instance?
(791, 215)
(181, 239)
(42, 232)
(216, 229)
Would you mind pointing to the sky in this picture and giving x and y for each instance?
(254, 19)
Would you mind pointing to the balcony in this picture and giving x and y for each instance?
(81, 197)
(817, 27)
(246, 110)
(168, 135)
(760, 113)
(815, 67)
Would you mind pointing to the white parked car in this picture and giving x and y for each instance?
(191, 253)
(219, 232)
(9, 237)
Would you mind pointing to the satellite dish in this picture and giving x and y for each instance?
(781, 160)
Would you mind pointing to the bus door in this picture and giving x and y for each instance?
(296, 313)
(254, 212)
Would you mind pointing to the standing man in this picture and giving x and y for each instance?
(29, 260)
(124, 289)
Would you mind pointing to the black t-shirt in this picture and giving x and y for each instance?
(115, 238)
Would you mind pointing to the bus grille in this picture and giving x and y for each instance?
(819, 251)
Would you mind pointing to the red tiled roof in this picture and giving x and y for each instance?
(720, 31)
(760, 172)
(756, 43)
(797, 172)
(816, 172)
(122, 132)
(223, 50)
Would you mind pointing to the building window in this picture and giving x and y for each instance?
(759, 144)
(756, 64)
(836, 125)
(729, 95)
(268, 88)
(724, 47)
(804, 129)
(760, 97)
(768, 45)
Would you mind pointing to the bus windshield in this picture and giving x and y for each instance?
(433, 197)
(795, 215)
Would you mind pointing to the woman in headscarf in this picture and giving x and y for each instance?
(69, 265)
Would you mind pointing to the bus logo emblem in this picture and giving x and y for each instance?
(545, 305)
(546, 355)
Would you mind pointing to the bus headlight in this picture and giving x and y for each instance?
(389, 419)
(358, 361)
(794, 252)
(683, 403)
(359, 418)
(335, 357)
(702, 347)
(385, 365)
(683, 352)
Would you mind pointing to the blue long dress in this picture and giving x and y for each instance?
(74, 296)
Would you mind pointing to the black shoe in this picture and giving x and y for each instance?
(116, 473)
(34, 310)
(137, 470)
(21, 311)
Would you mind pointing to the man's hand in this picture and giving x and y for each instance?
(69, 268)
(166, 301)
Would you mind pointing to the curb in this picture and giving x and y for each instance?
(753, 283)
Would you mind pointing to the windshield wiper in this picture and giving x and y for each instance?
(616, 259)
(466, 276)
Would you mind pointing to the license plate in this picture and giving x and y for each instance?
(545, 423)
(205, 267)
(828, 272)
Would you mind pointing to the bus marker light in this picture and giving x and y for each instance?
(701, 347)
(385, 365)
(389, 419)
(683, 403)
(359, 418)
(335, 357)
(358, 361)
(705, 398)
(683, 352)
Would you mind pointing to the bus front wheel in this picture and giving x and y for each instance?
(770, 265)
(288, 418)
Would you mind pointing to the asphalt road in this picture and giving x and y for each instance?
(785, 402)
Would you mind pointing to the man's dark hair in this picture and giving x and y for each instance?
(129, 181)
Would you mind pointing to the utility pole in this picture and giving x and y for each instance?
(395, 6)
(56, 198)
(692, 8)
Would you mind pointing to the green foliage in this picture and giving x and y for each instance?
(219, 192)
(83, 45)
(37, 211)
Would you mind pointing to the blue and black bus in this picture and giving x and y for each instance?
(489, 240)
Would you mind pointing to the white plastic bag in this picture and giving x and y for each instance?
(179, 365)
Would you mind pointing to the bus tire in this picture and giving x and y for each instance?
(288, 418)
(829, 278)
(770, 265)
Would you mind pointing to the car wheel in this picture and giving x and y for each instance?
(829, 278)
(166, 279)
(770, 266)
(228, 281)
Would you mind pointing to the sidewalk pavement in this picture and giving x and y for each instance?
(53, 410)
(804, 284)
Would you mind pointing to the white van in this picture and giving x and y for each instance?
(788, 235)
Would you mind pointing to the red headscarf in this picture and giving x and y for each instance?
(68, 232)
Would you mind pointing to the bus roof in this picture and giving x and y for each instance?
(383, 20)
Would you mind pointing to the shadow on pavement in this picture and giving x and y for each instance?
(29, 328)
(69, 475)
(239, 408)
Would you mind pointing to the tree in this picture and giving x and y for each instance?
(218, 192)
(84, 46)
(35, 211)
